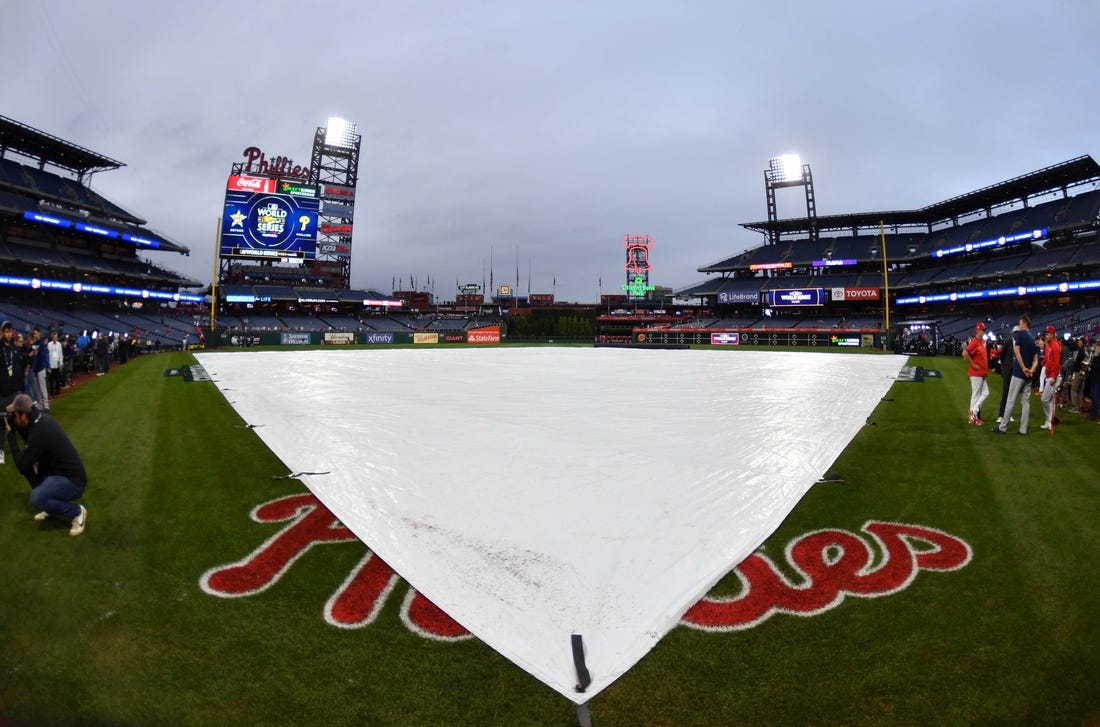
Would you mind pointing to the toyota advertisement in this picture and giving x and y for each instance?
(861, 293)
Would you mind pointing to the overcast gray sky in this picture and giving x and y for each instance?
(557, 127)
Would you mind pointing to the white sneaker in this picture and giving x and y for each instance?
(41, 516)
(78, 522)
(1045, 425)
(1000, 420)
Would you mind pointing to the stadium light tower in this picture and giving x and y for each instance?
(335, 165)
(340, 133)
(788, 170)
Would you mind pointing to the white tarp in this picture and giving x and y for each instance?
(536, 493)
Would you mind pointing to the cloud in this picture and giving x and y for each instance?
(557, 127)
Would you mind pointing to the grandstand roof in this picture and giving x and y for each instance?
(1059, 176)
(50, 149)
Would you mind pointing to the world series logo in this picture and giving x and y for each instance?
(270, 222)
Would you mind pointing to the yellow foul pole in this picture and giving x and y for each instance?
(214, 277)
(886, 282)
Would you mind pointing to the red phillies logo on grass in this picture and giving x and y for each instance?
(832, 564)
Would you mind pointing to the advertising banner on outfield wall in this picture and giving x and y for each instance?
(849, 341)
(753, 337)
(796, 297)
(489, 334)
(458, 337)
(739, 296)
(339, 338)
(425, 338)
(379, 337)
(860, 293)
(295, 339)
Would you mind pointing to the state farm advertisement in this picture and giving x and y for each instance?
(489, 334)
(855, 294)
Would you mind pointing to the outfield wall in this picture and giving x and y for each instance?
(474, 336)
(759, 337)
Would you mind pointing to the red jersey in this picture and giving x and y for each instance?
(979, 362)
(1052, 359)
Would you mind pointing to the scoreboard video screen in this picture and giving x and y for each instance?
(263, 220)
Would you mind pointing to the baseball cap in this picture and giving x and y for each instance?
(980, 325)
(1051, 329)
(1015, 329)
(21, 403)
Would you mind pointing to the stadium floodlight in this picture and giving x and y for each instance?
(340, 133)
(785, 168)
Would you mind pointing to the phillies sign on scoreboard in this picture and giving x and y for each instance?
(260, 225)
(796, 297)
(863, 293)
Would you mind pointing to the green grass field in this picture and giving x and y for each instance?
(113, 627)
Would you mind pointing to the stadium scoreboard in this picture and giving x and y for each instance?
(268, 219)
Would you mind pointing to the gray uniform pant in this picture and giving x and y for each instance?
(1015, 387)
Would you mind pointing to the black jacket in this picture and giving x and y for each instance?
(11, 356)
(48, 452)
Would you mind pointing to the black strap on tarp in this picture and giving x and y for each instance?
(583, 677)
(296, 475)
(584, 717)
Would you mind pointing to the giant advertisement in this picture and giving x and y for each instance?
(268, 226)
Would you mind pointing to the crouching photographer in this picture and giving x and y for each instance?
(49, 462)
